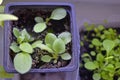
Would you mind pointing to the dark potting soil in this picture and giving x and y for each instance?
(26, 20)
(84, 73)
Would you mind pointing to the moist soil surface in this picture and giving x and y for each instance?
(84, 73)
(26, 20)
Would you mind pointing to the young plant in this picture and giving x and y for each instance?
(104, 52)
(56, 46)
(41, 25)
(23, 48)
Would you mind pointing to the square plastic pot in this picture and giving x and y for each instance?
(72, 66)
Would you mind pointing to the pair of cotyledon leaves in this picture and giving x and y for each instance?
(57, 14)
(23, 60)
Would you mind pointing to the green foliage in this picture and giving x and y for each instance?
(55, 46)
(14, 47)
(22, 36)
(104, 52)
(39, 27)
(90, 65)
(96, 42)
(59, 46)
(56, 14)
(23, 48)
(46, 58)
(96, 76)
(49, 39)
(4, 74)
(65, 36)
(22, 62)
(66, 56)
(45, 47)
(16, 32)
(39, 19)
(108, 45)
(36, 43)
(26, 47)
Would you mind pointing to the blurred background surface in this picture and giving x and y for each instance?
(94, 11)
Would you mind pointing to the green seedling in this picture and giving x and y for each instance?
(56, 46)
(103, 57)
(23, 48)
(41, 25)
(25, 45)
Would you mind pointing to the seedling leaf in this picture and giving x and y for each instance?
(96, 76)
(96, 42)
(109, 67)
(108, 45)
(85, 55)
(39, 19)
(45, 47)
(25, 34)
(90, 65)
(23, 62)
(26, 47)
(100, 57)
(4, 74)
(59, 46)
(39, 27)
(58, 14)
(16, 32)
(93, 53)
(66, 56)
(100, 27)
(14, 47)
(46, 58)
(4, 17)
(20, 39)
(36, 43)
(65, 36)
(50, 38)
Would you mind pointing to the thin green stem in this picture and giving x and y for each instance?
(47, 20)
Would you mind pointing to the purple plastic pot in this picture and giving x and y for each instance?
(8, 65)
